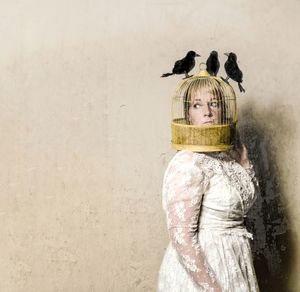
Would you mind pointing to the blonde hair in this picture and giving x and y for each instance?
(214, 87)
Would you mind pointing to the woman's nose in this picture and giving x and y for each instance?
(207, 111)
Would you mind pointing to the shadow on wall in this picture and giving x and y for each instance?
(267, 220)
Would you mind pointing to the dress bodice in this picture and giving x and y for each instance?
(230, 192)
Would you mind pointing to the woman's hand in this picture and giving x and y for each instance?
(240, 153)
(244, 160)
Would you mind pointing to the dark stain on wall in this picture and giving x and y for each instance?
(268, 220)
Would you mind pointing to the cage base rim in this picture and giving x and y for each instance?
(203, 148)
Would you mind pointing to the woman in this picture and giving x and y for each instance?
(206, 197)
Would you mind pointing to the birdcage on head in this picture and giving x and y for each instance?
(203, 114)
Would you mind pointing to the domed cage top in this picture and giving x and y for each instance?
(203, 114)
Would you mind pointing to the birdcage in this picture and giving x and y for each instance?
(203, 114)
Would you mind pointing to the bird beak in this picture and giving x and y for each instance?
(197, 55)
(226, 54)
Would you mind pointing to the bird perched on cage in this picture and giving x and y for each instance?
(184, 66)
(213, 64)
(233, 71)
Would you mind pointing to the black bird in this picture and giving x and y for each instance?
(213, 64)
(184, 66)
(233, 71)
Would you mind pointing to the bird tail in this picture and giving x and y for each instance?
(241, 88)
(167, 74)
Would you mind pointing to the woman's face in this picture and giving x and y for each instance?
(204, 108)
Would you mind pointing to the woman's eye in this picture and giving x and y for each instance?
(214, 104)
(197, 105)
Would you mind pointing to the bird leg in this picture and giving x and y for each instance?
(226, 80)
(187, 76)
(241, 88)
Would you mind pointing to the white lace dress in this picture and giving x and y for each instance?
(206, 198)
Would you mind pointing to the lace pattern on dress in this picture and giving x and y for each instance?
(243, 180)
(184, 185)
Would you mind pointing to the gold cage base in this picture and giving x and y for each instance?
(204, 138)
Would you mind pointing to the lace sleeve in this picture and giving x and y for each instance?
(185, 184)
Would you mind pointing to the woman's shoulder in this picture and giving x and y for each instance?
(207, 163)
(187, 160)
(188, 156)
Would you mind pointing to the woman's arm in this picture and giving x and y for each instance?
(185, 184)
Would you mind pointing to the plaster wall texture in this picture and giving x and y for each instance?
(85, 135)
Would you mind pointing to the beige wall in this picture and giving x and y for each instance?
(85, 134)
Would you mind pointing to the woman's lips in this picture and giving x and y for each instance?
(209, 122)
